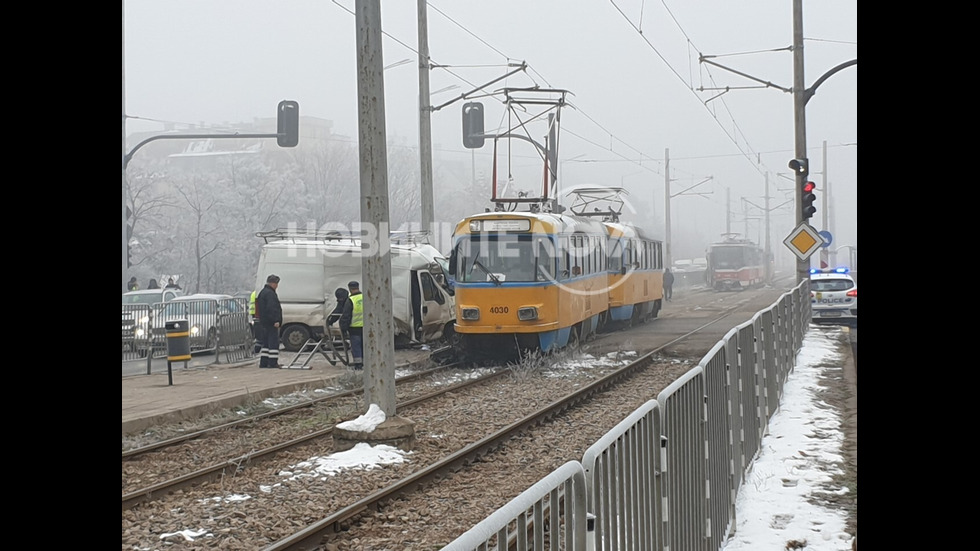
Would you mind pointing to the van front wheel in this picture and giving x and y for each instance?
(293, 337)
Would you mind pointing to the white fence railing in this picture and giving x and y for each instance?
(667, 476)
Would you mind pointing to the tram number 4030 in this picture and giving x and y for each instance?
(499, 309)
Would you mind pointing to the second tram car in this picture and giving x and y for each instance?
(636, 274)
(735, 265)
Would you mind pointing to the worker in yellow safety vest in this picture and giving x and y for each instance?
(257, 346)
(352, 323)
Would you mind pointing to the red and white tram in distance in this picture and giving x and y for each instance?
(735, 264)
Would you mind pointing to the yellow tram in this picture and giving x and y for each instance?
(636, 274)
(544, 278)
(528, 281)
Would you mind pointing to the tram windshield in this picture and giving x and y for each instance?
(504, 258)
(734, 257)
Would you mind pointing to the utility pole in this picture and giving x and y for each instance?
(768, 244)
(745, 218)
(425, 120)
(799, 120)
(379, 340)
(668, 260)
(728, 210)
(825, 251)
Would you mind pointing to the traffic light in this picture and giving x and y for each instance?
(800, 167)
(287, 124)
(473, 125)
(807, 198)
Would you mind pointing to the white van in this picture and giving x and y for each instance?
(312, 266)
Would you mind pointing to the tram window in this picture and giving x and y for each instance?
(566, 261)
(576, 255)
(545, 261)
(615, 257)
(587, 260)
(591, 267)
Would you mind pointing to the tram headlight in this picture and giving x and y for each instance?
(527, 313)
(471, 314)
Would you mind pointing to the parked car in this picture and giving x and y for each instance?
(139, 310)
(208, 316)
(833, 297)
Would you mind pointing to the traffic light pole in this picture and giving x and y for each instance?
(287, 135)
(799, 121)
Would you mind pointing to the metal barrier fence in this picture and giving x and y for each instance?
(667, 476)
(623, 473)
(217, 325)
(560, 496)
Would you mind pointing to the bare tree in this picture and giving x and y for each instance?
(147, 203)
(204, 227)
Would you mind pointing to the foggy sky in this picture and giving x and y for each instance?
(633, 95)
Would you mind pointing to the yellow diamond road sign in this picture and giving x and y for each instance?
(803, 241)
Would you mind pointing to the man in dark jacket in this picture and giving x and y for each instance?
(352, 323)
(269, 311)
(341, 295)
(668, 285)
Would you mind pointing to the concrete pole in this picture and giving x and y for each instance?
(668, 259)
(728, 210)
(425, 120)
(832, 214)
(379, 335)
(825, 251)
(768, 237)
(799, 119)
(745, 217)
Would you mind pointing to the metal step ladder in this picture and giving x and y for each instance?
(332, 347)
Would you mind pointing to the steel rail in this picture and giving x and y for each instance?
(155, 491)
(129, 454)
(309, 538)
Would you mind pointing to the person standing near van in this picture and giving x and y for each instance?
(341, 295)
(352, 323)
(256, 327)
(269, 311)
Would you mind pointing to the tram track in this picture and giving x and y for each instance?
(365, 506)
(159, 467)
(310, 537)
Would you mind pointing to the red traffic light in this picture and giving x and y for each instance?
(808, 187)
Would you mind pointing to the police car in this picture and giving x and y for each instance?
(833, 297)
